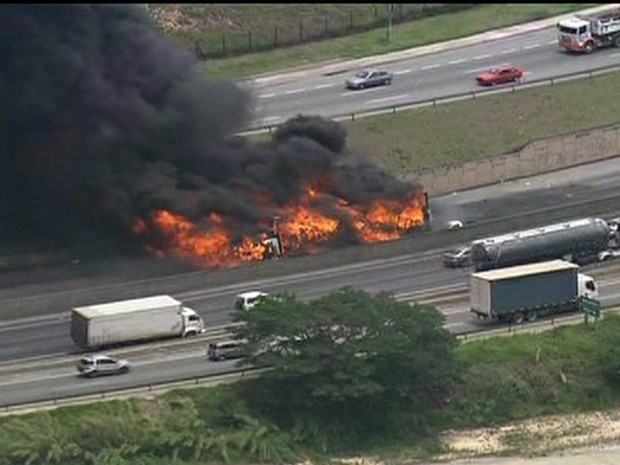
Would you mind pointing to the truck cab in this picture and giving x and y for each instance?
(587, 286)
(192, 323)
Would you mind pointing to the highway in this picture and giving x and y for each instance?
(418, 78)
(412, 277)
(423, 77)
(49, 335)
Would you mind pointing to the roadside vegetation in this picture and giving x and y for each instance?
(207, 23)
(353, 374)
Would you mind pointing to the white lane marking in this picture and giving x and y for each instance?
(436, 65)
(510, 50)
(478, 70)
(386, 99)
(267, 95)
(482, 57)
(404, 71)
(552, 42)
(356, 93)
(294, 91)
(323, 86)
(614, 55)
(529, 47)
(456, 62)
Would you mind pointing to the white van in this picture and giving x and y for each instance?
(247, 300)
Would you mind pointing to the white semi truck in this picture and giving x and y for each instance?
(525, 292)
(134, 320)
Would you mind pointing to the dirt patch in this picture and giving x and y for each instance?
(535, 436)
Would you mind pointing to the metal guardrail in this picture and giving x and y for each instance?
(470, 95)
(229, 376)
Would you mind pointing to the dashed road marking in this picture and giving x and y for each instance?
(456, 62)
(529, 47)
(504, 52)
(267, 95)
(552, 42)
(323, 86)
(482, 57)
(294, 91)
(386, 99)
(436, 65)
(614, 55)
(403, 71)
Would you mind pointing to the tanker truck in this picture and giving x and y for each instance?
(579, 241)
(525, 292)
(134, 320)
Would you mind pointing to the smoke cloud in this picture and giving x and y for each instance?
(105, 120)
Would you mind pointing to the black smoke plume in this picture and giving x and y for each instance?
(105, 120)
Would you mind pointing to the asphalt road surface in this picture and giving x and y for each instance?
(50, 335)
(423, 77)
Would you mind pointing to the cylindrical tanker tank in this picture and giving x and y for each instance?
(577, 241)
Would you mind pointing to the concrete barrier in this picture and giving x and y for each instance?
(536, 157)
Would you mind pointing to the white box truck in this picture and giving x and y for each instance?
(526, 292)
(156, 317)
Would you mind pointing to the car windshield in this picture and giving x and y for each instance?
(362, 74)
(86, 361)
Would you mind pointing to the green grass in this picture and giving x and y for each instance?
(405, 35)
(454, 133)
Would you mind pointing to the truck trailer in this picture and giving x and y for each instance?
(525, 292)
(584, 34)
(579, 241)
(147, 318)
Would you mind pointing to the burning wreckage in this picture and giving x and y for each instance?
(117, 142)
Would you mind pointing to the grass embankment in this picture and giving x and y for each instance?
(568, 369)
(189, 23)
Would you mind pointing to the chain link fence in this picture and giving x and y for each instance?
(301, 31)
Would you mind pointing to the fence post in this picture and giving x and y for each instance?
(352, 116)
(301, 31)
(351, 19)
(326, 26)
(249, 41)
(224, 44)
(275, 36)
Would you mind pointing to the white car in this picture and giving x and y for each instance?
(247, 300)
(454, 224)
(608, 255)
(98, 365)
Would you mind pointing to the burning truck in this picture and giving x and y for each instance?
(118, 143)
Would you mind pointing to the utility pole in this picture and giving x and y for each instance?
(390, 7)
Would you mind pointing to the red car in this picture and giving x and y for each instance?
(500, 75)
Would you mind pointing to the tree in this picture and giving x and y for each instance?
(348, 363)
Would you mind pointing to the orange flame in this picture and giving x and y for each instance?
(302, 227)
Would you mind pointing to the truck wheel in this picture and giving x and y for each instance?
(517, 318)
(531, 315)
(617, 42)
(589, 47)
